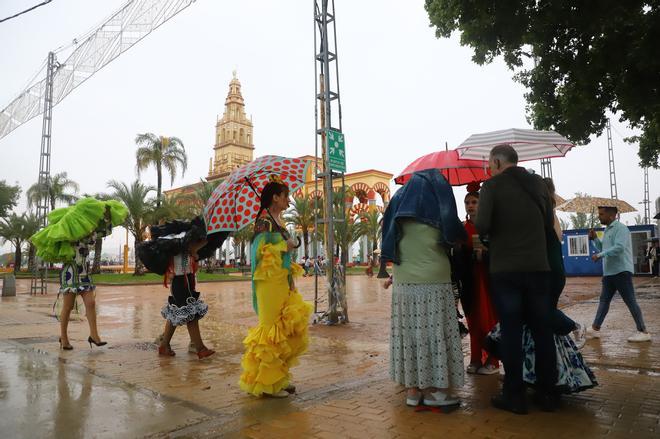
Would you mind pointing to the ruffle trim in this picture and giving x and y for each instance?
(270, 262)
(271, 351)
(78, 290)
(194, 309)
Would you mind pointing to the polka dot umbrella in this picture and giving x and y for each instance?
(235, 203)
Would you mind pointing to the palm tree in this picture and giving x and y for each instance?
(346, 234)
(370, 225)
(173, 207)
(59, 191)
(140, 207)
(31, 225)
(301, 216)
(17, 229)
(161, 152)
(202, 193)
(241, 238)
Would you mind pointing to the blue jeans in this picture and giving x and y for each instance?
(622, 283)
(525, 298)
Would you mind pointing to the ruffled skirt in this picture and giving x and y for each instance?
(425, 344)
(273, 346)
(573, 374)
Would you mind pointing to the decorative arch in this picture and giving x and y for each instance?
(360, 208)
(383, 190)
(361, 191)
(315, 194)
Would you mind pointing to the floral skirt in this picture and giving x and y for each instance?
(425, 344)
(573, 374)
(275, 344)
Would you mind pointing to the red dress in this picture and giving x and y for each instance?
(481, 317)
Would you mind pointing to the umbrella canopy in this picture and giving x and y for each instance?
(235, 203)
(457, 171)
(591, 204)
(529, 144)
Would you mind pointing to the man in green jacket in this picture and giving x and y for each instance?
(515, 211)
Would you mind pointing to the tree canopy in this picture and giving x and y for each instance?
(8, 197)
(578, 60)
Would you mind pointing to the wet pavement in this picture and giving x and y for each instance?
(126, 390)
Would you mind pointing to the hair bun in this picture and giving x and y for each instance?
(473, 186)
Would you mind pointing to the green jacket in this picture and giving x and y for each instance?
(515, 210)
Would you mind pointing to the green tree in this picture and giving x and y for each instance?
(173, 207)
(241, 238)
(301, 216)
(8, 197)
(140, 208)
(577, 60)
(346, 234)
(17, 229)
(60, 189)
(370, 225)
(202, 193)
(160, 152)
(31, 225)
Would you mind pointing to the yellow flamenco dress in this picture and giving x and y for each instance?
(274, 345)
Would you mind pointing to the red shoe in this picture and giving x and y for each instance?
(205, 353)
(166, 352)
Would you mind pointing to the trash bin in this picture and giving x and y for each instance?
(9, 285)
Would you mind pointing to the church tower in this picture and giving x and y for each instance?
(234, 145)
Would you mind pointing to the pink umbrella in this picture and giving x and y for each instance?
(457, 171)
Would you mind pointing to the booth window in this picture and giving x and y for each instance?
(578, 245)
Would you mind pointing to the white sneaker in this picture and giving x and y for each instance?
(592, 333)
(489, 369)
(640, 336)
(439, 399)
(414, 401)
(580, 336)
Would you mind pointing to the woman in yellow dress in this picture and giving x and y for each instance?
(274, 345)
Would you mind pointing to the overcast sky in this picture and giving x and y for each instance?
(404, 92)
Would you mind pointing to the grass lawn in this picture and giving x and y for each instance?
(130, 279)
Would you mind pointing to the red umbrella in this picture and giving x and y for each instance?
(457, 171)
(235, 202)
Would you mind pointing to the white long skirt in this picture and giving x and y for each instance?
(425, 344)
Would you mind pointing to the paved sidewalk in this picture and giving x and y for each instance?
(126, 390)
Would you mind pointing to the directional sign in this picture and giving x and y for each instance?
(336, 151)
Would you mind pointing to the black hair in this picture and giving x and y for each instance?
(609, 209)
(270, 190)
(471, 194)
(505, 152)
(551, 189)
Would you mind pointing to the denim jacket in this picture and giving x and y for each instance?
(429, 199)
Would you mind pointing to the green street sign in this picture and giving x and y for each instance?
(337, 151)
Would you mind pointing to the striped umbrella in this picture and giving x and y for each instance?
(529, 144)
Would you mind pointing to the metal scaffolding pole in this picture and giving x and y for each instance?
(610, 154)
(327, 96)
(38, 283)
(646, 201)
(546, 168)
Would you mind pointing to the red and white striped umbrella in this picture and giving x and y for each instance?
(235, 203)
(529, 144)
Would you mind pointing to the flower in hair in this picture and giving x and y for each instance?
(274, 178)
(473, 186)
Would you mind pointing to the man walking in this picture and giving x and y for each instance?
(616, 252)
(515, 211)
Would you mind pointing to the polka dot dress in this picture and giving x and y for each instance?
(425, 344)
